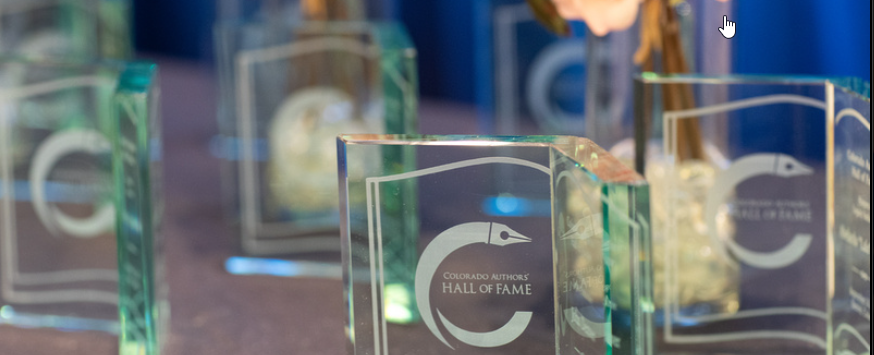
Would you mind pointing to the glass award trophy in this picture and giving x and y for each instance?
(530, 81)
(60, 126)
(430, 270)
(287, 91)
(761, 217)
(81, 29)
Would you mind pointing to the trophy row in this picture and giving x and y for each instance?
(723, 215)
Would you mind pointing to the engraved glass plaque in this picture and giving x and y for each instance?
(286, 92)
(59, 258)
(82, 29)
(420, 248)
(761, 225)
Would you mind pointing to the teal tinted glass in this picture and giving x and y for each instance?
(431, 267)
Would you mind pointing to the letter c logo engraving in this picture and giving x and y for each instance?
(48, 154)
(745, 168)
(444, 244)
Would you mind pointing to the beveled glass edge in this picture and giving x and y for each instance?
(393, 36)
(607, 169)
(133, 76)
(141, 330)
(854, 85)
(137, 77)
(73, 64)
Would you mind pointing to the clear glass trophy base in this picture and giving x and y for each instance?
(247, 265)
(10, 316)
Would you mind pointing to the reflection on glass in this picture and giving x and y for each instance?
(473, 282)
(742, 236)
(295, 10)
(143, 300)
(287, 91)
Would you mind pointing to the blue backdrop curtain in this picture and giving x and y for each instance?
(815, 37)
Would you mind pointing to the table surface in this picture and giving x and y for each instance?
(214, 312)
